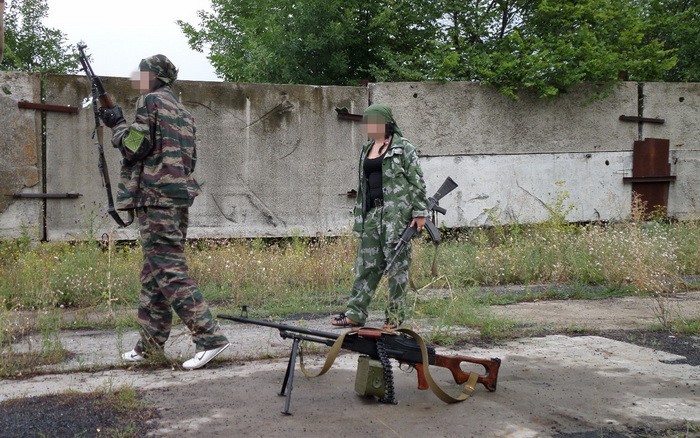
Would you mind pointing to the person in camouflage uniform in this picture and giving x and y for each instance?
(390, 196)
(159, 156)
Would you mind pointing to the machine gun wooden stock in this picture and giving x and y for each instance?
(403, 345)
(99, 94)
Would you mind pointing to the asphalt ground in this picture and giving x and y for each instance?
(624, 381)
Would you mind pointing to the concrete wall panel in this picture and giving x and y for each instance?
(501, 189)
(684, 193)
(274, 160)
(458, 118)
(678, 104)
(20, 155)
(72, 159)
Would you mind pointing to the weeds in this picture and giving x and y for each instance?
(33, 342)
(685, 327)
(64, 275)
(314, 275)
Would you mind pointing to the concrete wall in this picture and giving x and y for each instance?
(275, 160)
(458, 118)
(20, 156)
(510, 158)
(272, 160)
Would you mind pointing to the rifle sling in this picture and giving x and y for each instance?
(439, 392)
(110, 200)
(102, 165)
(335, 349)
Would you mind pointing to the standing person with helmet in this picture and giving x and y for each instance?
(391, 194)
(159, 154)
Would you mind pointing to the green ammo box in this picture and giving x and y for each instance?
(369, 379)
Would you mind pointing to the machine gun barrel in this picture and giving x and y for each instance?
(360, 340)
(280, 327)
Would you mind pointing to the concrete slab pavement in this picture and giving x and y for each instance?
(548, 386)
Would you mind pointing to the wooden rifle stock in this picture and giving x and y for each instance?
(106, 100)
(453, 363)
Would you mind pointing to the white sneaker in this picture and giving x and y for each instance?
(203, 357)
(133, 356)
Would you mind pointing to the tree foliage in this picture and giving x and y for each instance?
(29, 45)
(544, 46)
(310, 41)
(564, 43)
(677, 24)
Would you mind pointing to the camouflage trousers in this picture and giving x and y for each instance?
(167, 286)
(373, 254)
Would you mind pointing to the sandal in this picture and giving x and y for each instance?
(343, 321)
(390, 325)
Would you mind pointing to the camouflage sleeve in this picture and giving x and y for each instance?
(414, 176)
(134, 141)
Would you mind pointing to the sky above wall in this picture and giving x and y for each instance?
(118, 34)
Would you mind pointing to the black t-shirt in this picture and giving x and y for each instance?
(373, 173)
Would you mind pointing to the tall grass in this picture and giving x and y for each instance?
(295, 275)
(310, 275)
(646, 257)
(48, 275)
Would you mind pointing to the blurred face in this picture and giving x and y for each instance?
(375, 126)
(141, 80)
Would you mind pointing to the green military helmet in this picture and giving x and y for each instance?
(161, 67)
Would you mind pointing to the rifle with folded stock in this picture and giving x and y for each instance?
(377, 346)
(434, 207)
(99, 94)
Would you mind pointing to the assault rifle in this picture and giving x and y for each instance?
(378, 346)
(410, 232)
(99, 94)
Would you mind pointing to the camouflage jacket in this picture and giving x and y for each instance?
(402, 185)
(159, 154)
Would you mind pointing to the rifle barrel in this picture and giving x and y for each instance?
(280, 327)
(294, 335)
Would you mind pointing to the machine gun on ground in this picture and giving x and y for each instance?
(374, 374)
(99, 94)
(410, 232)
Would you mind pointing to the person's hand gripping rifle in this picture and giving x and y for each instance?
(410, 231)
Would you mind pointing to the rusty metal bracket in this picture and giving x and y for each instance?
(47, 195)
(648, 179)
(23, 104)
(641, 119)
(344, 114)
